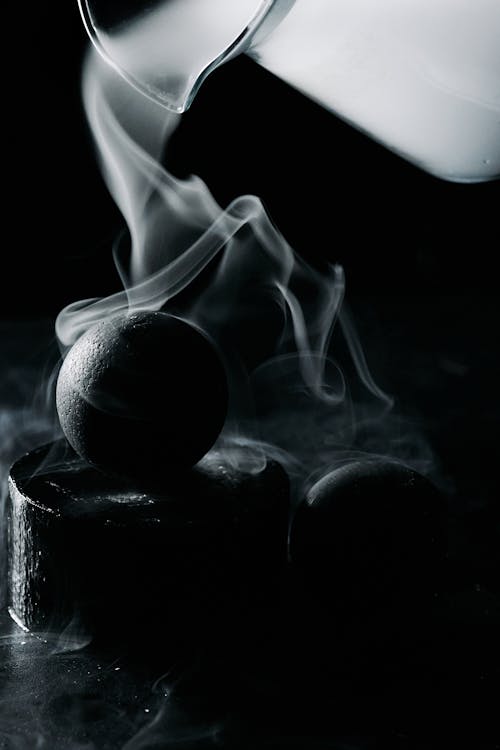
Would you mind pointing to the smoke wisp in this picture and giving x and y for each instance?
(278, 322)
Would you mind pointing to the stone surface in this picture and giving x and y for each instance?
(141, 392)
(90, 553)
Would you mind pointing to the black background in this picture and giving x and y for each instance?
(419, 253)
(333, 192)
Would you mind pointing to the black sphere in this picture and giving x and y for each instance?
(142, 393)
(369, 533)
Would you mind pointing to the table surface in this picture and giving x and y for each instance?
(290, 675)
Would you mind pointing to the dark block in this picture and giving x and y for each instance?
(370, 533)
(94, 553)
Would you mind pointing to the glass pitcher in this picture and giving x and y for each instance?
(421, 77)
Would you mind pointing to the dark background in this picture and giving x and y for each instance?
(420, 257)
(333, 192)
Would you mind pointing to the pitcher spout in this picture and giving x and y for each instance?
(166, 49)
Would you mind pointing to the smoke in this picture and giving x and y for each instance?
(301, 389)
(281, 324)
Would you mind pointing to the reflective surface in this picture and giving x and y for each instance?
(318, 684)
(292, 674)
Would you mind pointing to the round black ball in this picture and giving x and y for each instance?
(369, 533)
(142, 393)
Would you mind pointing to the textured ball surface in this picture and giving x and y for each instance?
(370, 532)
(142, 392)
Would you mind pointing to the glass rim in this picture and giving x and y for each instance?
(264, 18)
